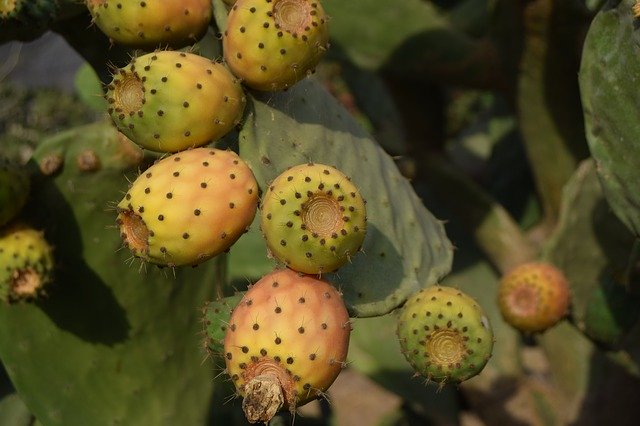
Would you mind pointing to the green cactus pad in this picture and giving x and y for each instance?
(313, 218)
(610, 100)
(169, 101)
(595, 264)
(14, 190)
(27, 263)
(152, 23)
(405, 246)
(188, 207)
(123, 341)
(272, 44)
(445, 335)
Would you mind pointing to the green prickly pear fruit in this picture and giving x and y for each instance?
(27, 263)
(534, 296)
(152, 23)
(188, 207)
(286, 343)
(169, 101)
(272, 44)
(14, 190)
(445, 335)
(313, 218)
(216, 316)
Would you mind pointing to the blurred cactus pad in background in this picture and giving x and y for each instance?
(319, 212)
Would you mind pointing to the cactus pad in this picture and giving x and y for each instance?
(313, 218)
(405, 246)
(610, 102)
(445, 335)
(272, 44)
(534, 296)
(286, 342)
(27, 263)
(188, 207)
(169, 101)
(152, 23)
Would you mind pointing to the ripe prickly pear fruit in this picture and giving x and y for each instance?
(286, 343)
(188, 207)
(27, 263)
(272, 44)
(14, 190)
(445, 335)
(313, 218)
(152, 23)
(534, 296)
(169, 101)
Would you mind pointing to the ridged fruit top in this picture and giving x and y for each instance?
(313, 218)
(272, 44)
(26, 263)
(292, 326)
(152, 23)
(14, 190)
(169, 101)
(188, 207)
(445, 335)
(534, 296)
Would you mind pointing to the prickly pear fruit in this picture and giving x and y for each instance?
(272, 44)
(445, 335)
(152, 23)
(169, 101)
(14, 190)
(313, 218)
(533, 296)
(216, 315)
(27, 263)
(188, 207)
(286, 343)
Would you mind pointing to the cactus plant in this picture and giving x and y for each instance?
(463, 124)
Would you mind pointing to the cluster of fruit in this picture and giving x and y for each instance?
(288, 337)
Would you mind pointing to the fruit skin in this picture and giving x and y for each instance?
(152, 23)
(169, 101)
(14, 190)
(188, 207)
(445, 335)
(27, 263)
(534, 296)
(313, 218)
(272, 44)
(289, 329)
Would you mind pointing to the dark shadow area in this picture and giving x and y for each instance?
(492, 407)
(6, 387)
(612, 396)
(79, 300)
